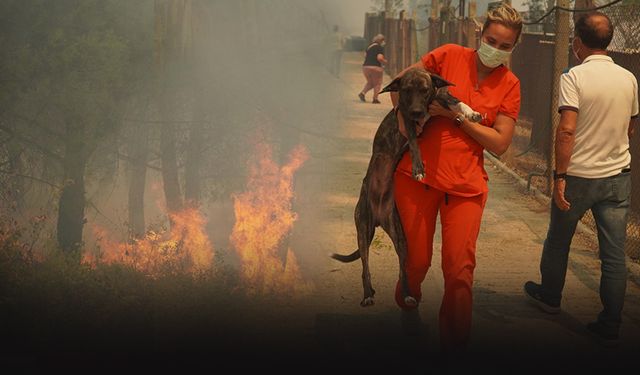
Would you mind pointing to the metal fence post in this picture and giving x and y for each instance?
(560, 63)
(471, 26)
(434, 38)
(413, 23)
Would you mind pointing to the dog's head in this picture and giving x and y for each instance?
(417, 88)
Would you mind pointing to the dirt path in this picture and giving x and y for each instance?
(508, 253)
(330, 320)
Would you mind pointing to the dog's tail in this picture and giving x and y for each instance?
(347, 258)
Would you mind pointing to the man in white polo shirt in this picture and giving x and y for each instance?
(598, 103)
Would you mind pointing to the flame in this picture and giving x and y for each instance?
(184, 249)
(263, 220)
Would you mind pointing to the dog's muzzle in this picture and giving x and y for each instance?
(417, 115)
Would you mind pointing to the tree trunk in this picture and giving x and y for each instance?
(72, 201)
(138, 151)
(17, 166)
(168, 30)
(193, 166)
(170, 178)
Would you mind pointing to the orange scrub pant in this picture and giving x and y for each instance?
(418, 205)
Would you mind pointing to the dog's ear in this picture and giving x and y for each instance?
(439, 81)
(392, 87)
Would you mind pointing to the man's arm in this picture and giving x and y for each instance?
(565, 139)
(632, 125)
(569, 104)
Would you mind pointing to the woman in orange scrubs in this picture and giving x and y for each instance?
(455, 184)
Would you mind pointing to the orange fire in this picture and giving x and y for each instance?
(263, 220)
(184, 249)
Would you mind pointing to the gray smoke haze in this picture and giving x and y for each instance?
(259, 71)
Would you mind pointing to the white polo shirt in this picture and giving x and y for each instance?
(605, 96)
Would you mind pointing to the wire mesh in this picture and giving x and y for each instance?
(532, 62)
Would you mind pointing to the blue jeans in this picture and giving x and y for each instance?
(608, 199)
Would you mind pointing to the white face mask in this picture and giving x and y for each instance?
(575, 52)
(492, 57)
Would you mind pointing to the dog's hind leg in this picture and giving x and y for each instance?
(366, 229)
(396, 233)
(369, 292)
(365, 236)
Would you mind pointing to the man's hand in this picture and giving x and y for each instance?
(558, 194)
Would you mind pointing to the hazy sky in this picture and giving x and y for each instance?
(349, 14)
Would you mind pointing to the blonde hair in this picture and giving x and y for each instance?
(507, 16)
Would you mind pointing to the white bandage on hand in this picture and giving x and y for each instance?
(467, 111)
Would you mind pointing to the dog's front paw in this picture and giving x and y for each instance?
(417, 171)
(410, 301)
(367, 302)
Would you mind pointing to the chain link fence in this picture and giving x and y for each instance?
(625, 51)
(531, 154)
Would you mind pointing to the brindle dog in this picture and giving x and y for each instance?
(376, 206)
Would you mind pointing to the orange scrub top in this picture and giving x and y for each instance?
(454, 161)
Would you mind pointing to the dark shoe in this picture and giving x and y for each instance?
(375, 101)
(604, 336)
(361, 96)
(532, 291)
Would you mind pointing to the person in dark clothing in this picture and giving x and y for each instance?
(373, 68)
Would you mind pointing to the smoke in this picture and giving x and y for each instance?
(264, 67)
(246, 69)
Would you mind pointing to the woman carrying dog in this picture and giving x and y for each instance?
(455, 184)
